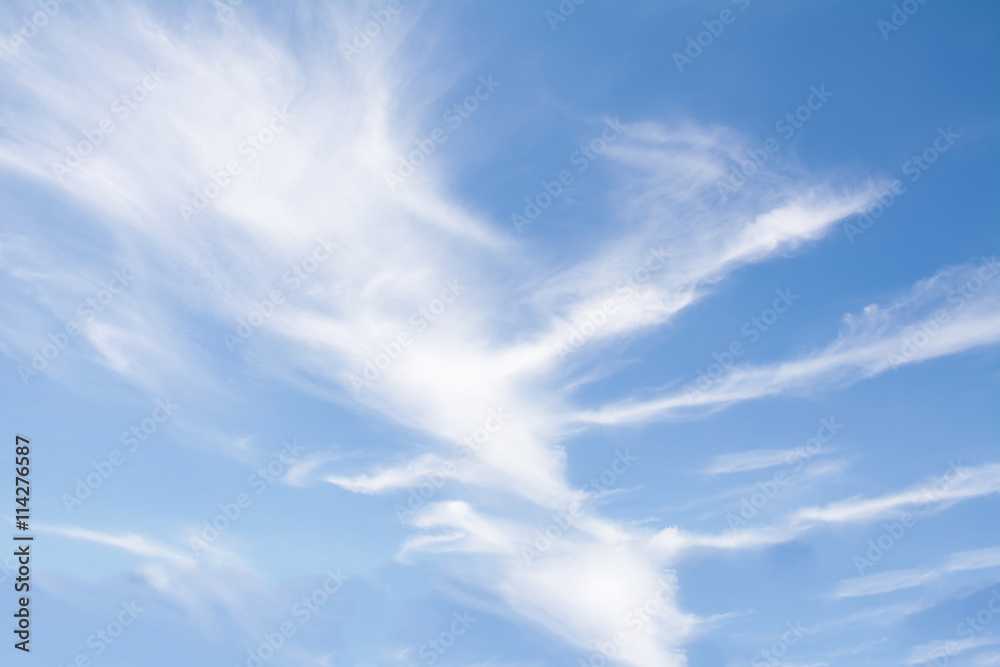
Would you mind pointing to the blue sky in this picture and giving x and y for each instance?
(484, 341)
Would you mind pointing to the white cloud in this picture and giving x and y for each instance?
(974, 560)
(304, 470)
(900, 579)
(753, 460)
(880, 339)
(134, 544)
(987, 659)
(959, 483)
(946, 649)
(411, 474)
(884, 582)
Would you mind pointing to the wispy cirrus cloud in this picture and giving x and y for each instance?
(936, 650)
(933, 495)
(138, 545)
(937, 317)
(752, 460)
(899, 579)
